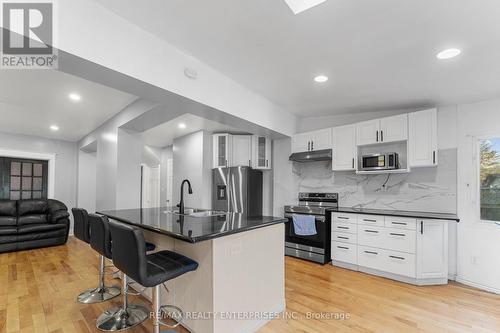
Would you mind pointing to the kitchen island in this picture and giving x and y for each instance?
(239, 284)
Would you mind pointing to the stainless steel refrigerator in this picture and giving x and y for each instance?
(238, 190)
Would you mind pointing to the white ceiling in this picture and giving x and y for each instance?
(378, 54)
(163, 135)
(33, 100)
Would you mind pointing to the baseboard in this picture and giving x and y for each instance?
(260, 323)
(477, 285)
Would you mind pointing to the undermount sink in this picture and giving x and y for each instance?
(197, 212)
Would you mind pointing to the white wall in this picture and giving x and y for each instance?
(192, 160)
(165, 172)
(152, 60)
(87, 180)
(478, 242)
(128, 175)
(66, 161)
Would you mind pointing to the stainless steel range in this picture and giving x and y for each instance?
(317, 247)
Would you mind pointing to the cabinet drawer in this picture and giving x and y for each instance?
(344, 227)
(344, 237)
(344, 252)
(376, 220)
(371, 236)
(400, 222)
(344, 217)
(399, 240)
(370, 257)
(400, 263)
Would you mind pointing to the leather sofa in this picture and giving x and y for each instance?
(29, 224)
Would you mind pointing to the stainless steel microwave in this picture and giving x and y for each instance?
(386, 161)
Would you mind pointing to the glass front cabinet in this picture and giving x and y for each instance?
(261, 152)
(222, 150)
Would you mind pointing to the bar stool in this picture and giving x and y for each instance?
(81, 231)
(151, 270)
(127, 315)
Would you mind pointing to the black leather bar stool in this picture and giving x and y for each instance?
(128, 315)
(149, 270)
(81, 230)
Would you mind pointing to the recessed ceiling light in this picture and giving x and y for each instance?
(448, 54)
(298, 6)
(321, 78)
(182, 125)
(75, 97)
(54, 127)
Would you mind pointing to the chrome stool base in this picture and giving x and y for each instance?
(98, 295)
(101, 293)
(119, 319)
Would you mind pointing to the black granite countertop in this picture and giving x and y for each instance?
(188, 228)
(401, 213)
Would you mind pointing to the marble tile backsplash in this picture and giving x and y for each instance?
(424, 189)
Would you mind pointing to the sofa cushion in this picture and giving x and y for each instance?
(8, 208)
(41, 235)
(37, 206)
(8, 239)
(32, 219)
(26, 229)
(8, 213)
(8, 230)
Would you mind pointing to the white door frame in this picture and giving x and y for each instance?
(50, 158)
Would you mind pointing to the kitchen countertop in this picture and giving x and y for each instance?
(188, 228)
(400, 213)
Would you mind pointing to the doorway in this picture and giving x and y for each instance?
(150, 186)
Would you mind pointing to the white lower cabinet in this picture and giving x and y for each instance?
(432, 249)
(401, 248)
(345, 252)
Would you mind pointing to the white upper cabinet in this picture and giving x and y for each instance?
(367, 132)
(261, 147)
(422, 145)
(242, 150)
(432, 249)
(222, 150)
(383, 130)
(310, 141)
(394, 128)
(344, 148)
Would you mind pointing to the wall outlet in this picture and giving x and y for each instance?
(474, 260)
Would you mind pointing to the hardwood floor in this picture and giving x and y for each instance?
(38, 290)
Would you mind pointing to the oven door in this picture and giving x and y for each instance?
(317, 241)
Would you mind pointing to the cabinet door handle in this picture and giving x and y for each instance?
(312, 145)
(377, 136)
(342, 218)
(371, 252)
(421, 227)
(396, 257)
(394, 234)
(433, 157)
(341, 227)
(367, 220)
(226, 163)
(399, 223)
(372, 231)
(342, 237)
(308, 145)
(353, 163)
(249, 163)
(343, 247)
(381, 136)
(267, 163)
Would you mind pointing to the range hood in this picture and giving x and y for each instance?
(312, 156)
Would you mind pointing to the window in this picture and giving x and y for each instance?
(23, 179)
(489, 179)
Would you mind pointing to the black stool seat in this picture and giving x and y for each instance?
(150, 247)
(81, 228)
(166, 265)
(129, 255)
